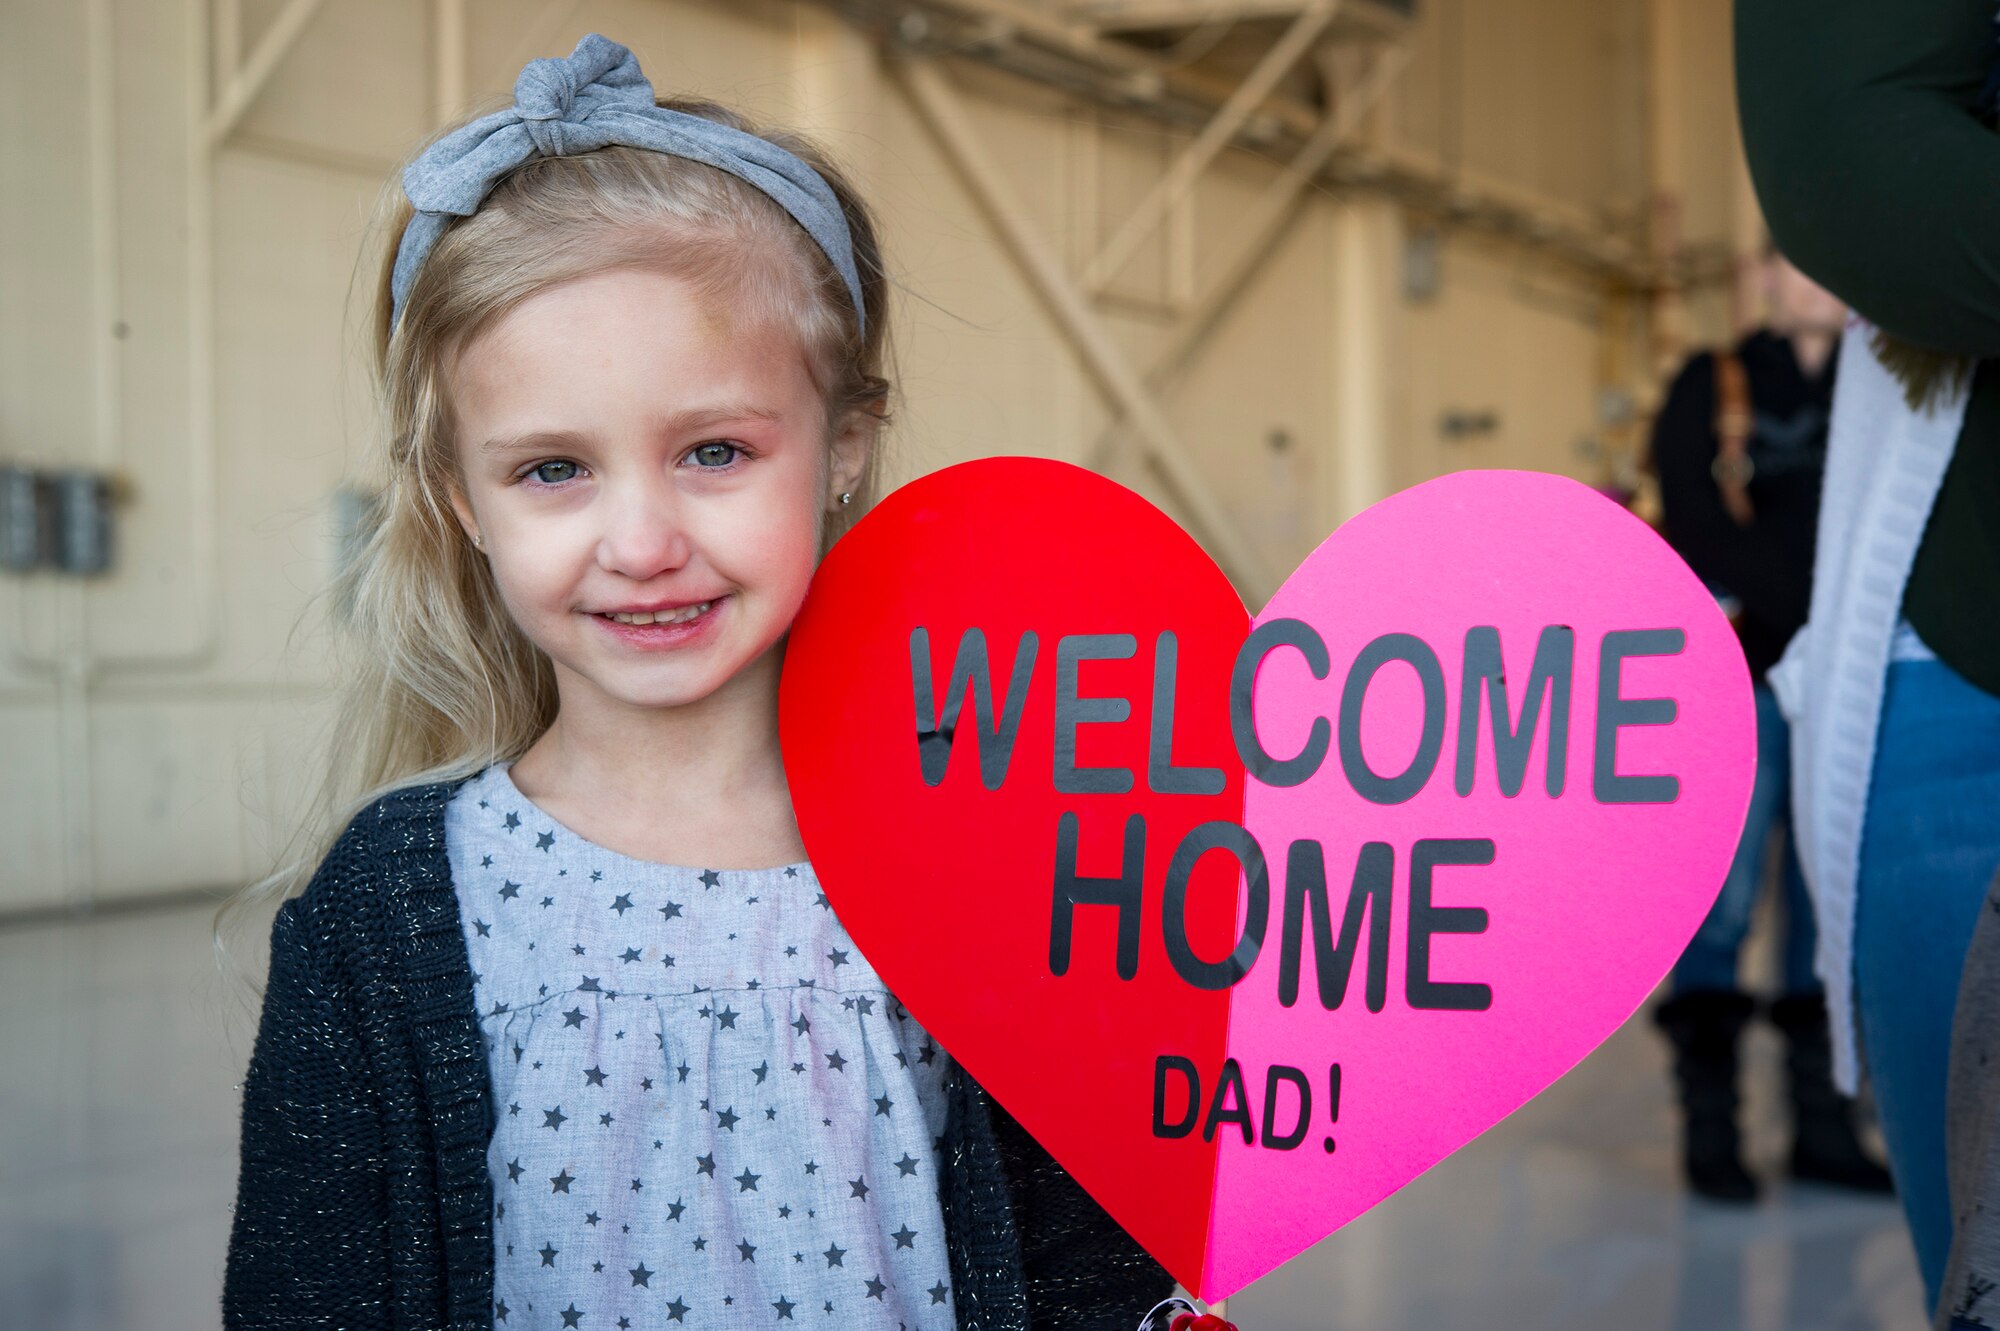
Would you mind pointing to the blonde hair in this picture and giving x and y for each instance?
(437, 681)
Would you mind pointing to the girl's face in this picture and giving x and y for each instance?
(647, 481)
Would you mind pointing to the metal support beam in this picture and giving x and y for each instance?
(1364, 305)
(1046, 49)
(228, 20)
(1272, 218)
(939, 106)
(1667, 174)
(1214, 137)
(448, 41)
(1047, 29)
(1369, 18)
(243, 85)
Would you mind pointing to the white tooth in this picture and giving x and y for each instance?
(680, 616)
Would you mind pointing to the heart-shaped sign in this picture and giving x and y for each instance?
(1252, 922)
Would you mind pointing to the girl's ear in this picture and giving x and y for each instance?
(462, 506)
(851, 450)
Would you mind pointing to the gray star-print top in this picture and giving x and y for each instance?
(712, 1112)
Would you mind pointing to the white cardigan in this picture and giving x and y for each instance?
(1884, 465)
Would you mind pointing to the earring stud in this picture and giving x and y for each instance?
(846, 496)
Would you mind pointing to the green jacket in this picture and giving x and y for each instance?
(1879, 175)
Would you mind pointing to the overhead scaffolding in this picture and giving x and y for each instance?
(1117, 54)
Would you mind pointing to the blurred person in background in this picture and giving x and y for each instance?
(1870, 134)
(1739, 448)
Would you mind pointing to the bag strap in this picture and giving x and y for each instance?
(1735, 422)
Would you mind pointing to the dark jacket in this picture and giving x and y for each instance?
(1867, 127)
(1767, 565)
(364, 1200)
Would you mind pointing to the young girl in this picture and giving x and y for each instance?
(562, 1032)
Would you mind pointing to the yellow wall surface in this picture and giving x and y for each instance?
(189, 321)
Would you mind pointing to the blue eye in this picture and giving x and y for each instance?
(554, 473)
(715, 455)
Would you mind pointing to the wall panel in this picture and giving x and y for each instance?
(175, 762)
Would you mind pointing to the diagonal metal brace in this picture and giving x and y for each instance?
(1216, 135)
(941, 110)
(1275, 211)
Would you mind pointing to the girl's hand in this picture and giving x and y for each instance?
(1177, 1314)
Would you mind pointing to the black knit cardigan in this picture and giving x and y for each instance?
(364, 1202)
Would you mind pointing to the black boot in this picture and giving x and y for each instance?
(1704, 1027)
(1825, 1148)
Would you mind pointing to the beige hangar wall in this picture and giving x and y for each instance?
(186, 321)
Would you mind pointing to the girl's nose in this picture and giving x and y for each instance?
(644, 534)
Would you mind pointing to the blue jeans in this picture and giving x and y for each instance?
(1711, 956)
(1929, 848)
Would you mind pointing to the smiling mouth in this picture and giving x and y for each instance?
(678, 616)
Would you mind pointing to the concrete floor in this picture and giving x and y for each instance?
(124, 1045)
(1569, 1216)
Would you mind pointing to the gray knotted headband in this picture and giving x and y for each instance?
(594, 98)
